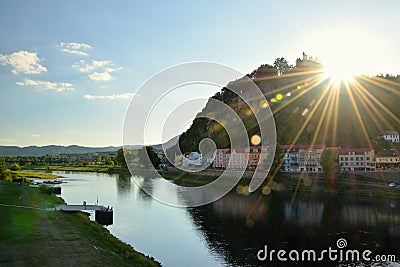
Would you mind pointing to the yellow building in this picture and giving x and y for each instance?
(387, 158)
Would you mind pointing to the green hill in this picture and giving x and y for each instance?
(310, 108)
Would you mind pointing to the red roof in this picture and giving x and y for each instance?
(392, 133)
(295, 148)
(345, 151)
(388, 153)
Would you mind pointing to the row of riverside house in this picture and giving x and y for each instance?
(237, 157)
(307, 158)
(298, 158)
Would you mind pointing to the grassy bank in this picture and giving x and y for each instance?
(100, 169)
(31, 236)
(27, 174)
(73, 168)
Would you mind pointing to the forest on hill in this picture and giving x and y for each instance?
(308, 107)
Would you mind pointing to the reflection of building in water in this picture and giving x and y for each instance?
(388, 217)
(364, 215)
(358, 215)
(241, 206)
(304, 213)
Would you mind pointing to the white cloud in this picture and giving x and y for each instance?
(102, 76)
(110, 97)
(46, 85)
(23, 62)
(7, 140)
(82, 66)
(74, 48)
(75, 52)
(36, 135)
(100, 69)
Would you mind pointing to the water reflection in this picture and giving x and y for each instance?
(230, 231)
(304, 213)
(238, 226)
(123, 183)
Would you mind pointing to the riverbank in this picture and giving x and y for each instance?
(362, 184)
(39, 175)
(102, 169)
(32, 236)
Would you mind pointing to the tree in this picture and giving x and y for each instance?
(282, 65)
(146, 153)
(124, 155)
(329, 163)
(15, 167)
(108, 161)
(4, 173)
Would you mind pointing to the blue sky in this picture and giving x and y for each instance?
(69, 68)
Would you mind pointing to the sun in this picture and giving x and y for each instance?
(348, 51)
(338, 74)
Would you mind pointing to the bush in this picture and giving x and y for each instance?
(46, 190)
(15, 167)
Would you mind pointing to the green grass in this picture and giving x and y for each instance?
(35, 237)
(26, 174)
(101, 169)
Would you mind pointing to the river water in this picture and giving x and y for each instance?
(232, 230)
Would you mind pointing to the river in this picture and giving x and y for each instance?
(232, 230)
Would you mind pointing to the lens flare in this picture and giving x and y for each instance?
(255, 140)
(264, 104)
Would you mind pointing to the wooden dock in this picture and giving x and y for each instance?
(102, 215)
(80, 207)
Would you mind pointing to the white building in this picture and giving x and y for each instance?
(192, 159)
(303, 158)
(392, 136)
(291, 158)
(356, 159)
(237, 158)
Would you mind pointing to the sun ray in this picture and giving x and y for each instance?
(378, 103)
(377, 80)
(335, 89)
(358, 115)
(304, 125)
(304, 91)
(364, 99)
(290, 74)
(291, 85)
(321, 119)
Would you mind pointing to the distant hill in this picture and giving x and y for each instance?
(73, 149)
(173, 141)
(51, 150)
